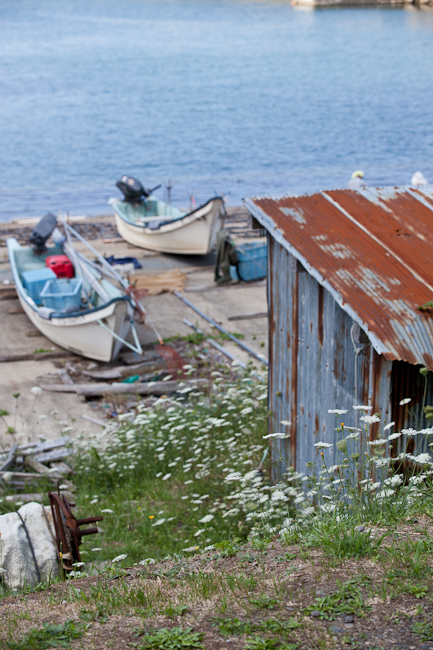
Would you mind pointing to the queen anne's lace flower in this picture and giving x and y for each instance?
(322, 445)
(370, 419)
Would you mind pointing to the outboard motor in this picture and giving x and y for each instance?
(133, 190)
(42, 232)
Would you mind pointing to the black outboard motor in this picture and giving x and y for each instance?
(42, 232)
(133, 190)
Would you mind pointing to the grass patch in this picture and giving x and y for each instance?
(174, 638)
(347, 599)
(49, 636)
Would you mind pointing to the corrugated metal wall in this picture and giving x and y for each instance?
(313, 363)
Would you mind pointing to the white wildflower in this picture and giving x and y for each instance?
(393, 436)
(107, 511)
(337, 411)
(409, 432)
(328, 507)
(379, 441)
(362, 408)
(78, 564)
(388, 426)
(36, 390)
(158, 522)
(285, 423)
(119, 558)
(417, 479)
(352, 436)
(394, 480)
(148, 560)
(276, 435)
(166, 476)
(231, 513)
(422, 458)
(278, 495)
(322, 445)
(191, 549)
(206, 519)
(386, 493)
(97, 548)
(233, 476)
(199, 532)
(404, 401)
(247, 410)
(370, 419)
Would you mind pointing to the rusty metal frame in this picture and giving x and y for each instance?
(68, 532)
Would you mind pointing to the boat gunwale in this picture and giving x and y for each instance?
(30, 302)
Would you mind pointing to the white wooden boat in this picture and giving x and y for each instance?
(157, 226)
(96, 330)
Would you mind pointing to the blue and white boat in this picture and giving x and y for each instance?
(88, 315)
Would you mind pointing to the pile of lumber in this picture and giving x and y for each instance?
(27, 463)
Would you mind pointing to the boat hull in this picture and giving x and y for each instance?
(194, 234)
(80, 333)
(83, 335)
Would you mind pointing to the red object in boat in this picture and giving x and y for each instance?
(61, 265)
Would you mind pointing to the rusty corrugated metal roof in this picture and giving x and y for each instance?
(373, 250)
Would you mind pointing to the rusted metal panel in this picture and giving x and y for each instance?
(313, 364)
(371, 250)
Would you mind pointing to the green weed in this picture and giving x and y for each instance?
(264, 602)
(99, 615)
(175, 610)
(258, 643)
(346, 600)
(174, 638)
(234, 626)
(424, 630)
(49, 636)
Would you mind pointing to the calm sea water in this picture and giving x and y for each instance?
(241, 98)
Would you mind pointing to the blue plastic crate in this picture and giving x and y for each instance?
(34, 281)
(253, 261)
(62, 294)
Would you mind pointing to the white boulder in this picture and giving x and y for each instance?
(17, 564)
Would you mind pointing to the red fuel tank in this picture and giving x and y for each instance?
(61, 265)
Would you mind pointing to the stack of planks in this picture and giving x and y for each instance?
(27, 463)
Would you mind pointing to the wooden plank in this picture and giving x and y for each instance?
(248, 315)
(95, 421)
(48, 445)
(26, 498)
(122, 372)
(8, 295)
(30, 475)
(35, 465)
(10, 458)
(51, 456)
(55, 354)
(148, 388)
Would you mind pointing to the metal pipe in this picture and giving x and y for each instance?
(214, 344)
(198, 311)
(221, 349)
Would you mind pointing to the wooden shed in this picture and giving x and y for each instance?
(347, 273)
